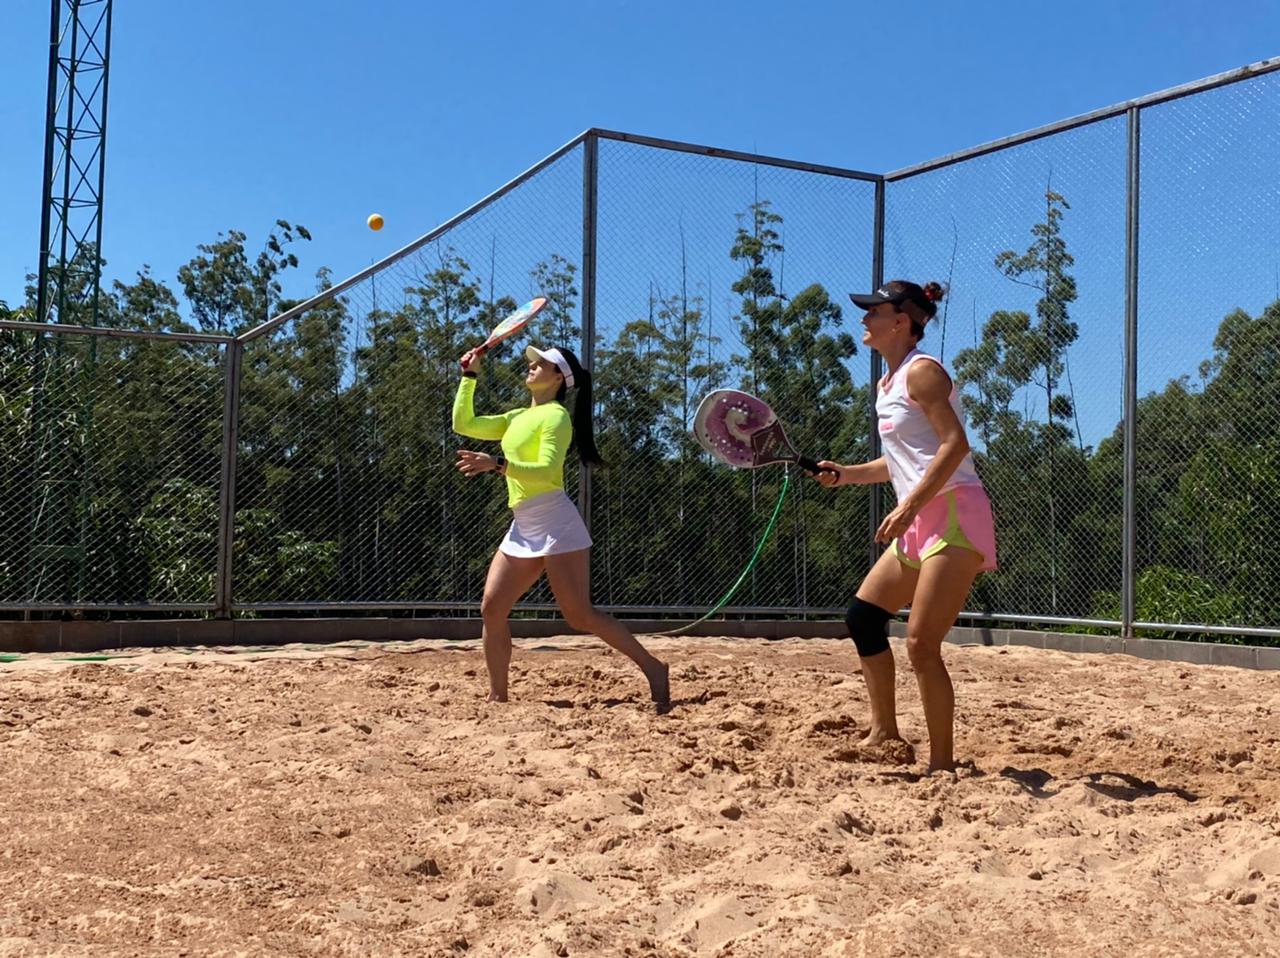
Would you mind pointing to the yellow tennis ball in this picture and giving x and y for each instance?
(375, 221)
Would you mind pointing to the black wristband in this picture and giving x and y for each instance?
(469, 375)
(502, 464)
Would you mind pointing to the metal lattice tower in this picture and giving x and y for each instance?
(59, 485)
(74, 161)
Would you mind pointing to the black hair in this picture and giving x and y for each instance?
(920, 303)
(584, 439)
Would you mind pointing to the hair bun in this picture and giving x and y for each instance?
(933, 292)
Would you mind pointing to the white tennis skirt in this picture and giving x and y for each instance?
(545, 525)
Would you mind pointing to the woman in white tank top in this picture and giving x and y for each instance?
(941, 530)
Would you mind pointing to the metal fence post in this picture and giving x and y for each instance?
(875, 508)
(590, 180)
(1128, 575)
(227, 494)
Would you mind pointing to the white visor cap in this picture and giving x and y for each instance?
(552, 356)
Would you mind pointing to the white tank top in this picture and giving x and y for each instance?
(907, 437)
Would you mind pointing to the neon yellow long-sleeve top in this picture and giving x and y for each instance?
(534, 439)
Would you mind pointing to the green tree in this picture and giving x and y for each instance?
(796, 359)
(1037, 470)
(555, 278)
(444, 309)
(158, 413)
(228, 292)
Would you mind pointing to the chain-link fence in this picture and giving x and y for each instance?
(1031, 242)
(1113, 325)
(1207, 490)
(346, 490)
(111, 451)
(719, 271)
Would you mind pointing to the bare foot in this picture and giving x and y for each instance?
(886, 747)
(660, 687)
(884, 751)
(875, 737)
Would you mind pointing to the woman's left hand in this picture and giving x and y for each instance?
(896, 523)
(473, 463)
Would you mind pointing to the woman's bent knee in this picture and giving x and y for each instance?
(580, 617)
(491, 609)
(922, 651)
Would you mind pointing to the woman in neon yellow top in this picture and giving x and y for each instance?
(547, 532)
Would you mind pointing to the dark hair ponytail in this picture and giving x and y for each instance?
(584, 439)
(920, 303)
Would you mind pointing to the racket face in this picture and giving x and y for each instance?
(517, 320)
(725, 422)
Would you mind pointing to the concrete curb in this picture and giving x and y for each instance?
(87, 637)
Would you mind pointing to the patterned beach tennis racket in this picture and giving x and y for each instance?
(742, 431)
(507, 328)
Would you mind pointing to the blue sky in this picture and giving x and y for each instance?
(233, 114)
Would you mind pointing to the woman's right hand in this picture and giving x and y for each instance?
(832, 473)
(473, 463)
(469, 362)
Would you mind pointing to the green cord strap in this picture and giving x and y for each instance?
(768, 531)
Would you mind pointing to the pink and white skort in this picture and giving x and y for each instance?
(960, 516)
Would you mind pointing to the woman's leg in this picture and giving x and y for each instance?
(945, 580)
(509, 578)
(570, 576)
(889, 586)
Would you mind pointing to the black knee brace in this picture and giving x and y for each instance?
(868, 627)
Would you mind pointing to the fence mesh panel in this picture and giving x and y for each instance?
(346, 490)
(1031, 240)
(1208, 489)
(722, 273)
(110, 476)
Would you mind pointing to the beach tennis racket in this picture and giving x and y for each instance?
(507, 328)
(742, 431)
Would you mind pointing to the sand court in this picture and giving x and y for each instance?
(367, 800)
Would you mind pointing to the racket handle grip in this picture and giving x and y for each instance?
(809, 465)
